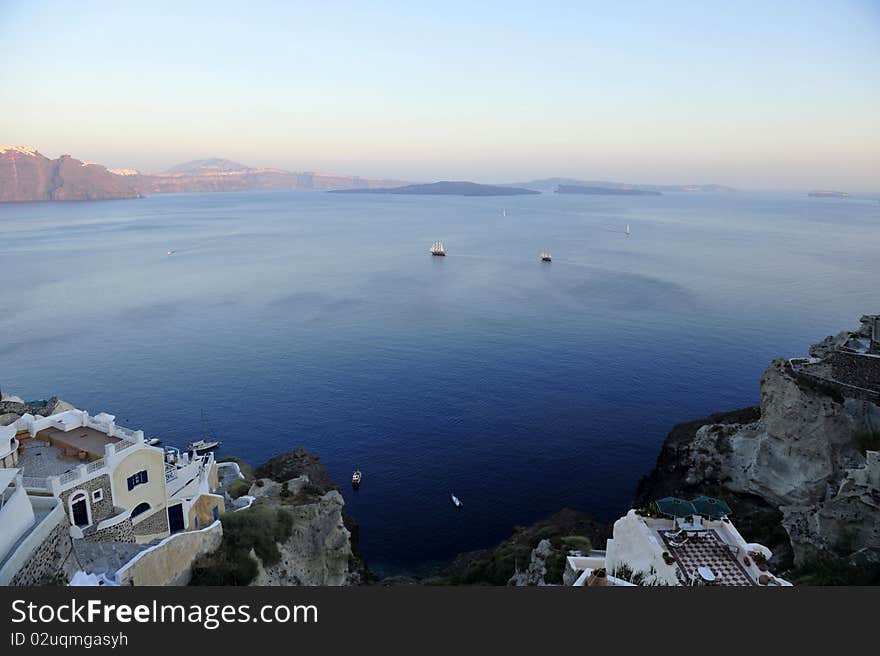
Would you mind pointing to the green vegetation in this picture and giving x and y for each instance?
(260, 528)
(828, 569)
(238, 488)
(868, 440)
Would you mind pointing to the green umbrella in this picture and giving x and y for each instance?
(711, 508)
(676, 507)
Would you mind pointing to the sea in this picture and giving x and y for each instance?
(304, 318)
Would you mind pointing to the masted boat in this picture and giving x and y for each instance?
(546, 257)
(438, 249)
(201, 446)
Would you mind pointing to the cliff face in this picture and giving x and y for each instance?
(319, 550)
(293, 531)
(799, 463)
(27, 175)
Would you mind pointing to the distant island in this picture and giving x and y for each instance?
(551, 184)
(444, 189)
(827, 193)
(605, 191)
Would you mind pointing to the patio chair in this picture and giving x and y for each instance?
(673, 543)
(673, 534)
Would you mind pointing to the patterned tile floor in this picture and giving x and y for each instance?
(709, 552)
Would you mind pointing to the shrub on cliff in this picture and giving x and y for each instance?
(259, 528)
(238, 488)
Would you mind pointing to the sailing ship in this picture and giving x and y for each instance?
(627, 230)
(202, 446)
(438, 249)
(356, 478)
(546, 257)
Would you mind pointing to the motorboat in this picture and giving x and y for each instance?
(456, 501)
(356, 478)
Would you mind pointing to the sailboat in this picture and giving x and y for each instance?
(546, 257)
(207, 443)
(438, 249)
(627, 230)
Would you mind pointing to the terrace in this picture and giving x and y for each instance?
(677, 542)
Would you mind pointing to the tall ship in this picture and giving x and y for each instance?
(438, 249)
(546, 257)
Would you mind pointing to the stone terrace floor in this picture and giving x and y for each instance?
(709, 552)
(41, 460)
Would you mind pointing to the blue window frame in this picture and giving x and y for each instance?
(137, 479)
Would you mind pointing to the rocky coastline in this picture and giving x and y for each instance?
(801, 472)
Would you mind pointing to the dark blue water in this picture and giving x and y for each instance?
(315, 319)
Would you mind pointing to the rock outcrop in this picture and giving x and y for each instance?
(317, 546)
(12, 408)
(801, 463)
(26, 175)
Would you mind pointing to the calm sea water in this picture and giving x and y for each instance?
(301, 318)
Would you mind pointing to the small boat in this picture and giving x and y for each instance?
(356, 478)
(170, 251)
(627, 230)
(503, 212)
(546, 257)
(438, 249)
(201, 446)
(153, 441)
(456, 501)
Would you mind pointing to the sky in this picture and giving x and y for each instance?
(751, 94)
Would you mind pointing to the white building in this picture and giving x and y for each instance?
(653, 551)
(112, 485)
(32, 530)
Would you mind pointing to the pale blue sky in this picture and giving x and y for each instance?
(754, 94)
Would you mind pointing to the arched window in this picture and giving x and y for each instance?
(140, 509)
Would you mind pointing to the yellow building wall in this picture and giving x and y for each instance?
(203, 509)
(151, 492)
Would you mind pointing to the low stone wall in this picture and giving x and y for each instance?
(855, 369)
(170, 561)
(155, 523)
(41, 555)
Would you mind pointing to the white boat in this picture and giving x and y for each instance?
(153, 441)
(200, 446)
(627, 230)
(438, 249)
(171, 251)
(546, 257)
(356, 478)
(503, 212)
(456, 501)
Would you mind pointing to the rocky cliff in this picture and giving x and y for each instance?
(26, 175)
(294, 531)
(800, 471)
